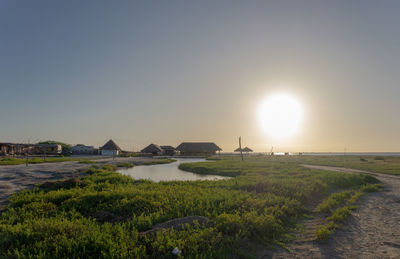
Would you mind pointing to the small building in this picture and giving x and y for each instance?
(81, 149)
(238, 150)
(152, 149)
(247, 150)
(48, 149)
(110, 149)
(12, 149)
(17, 149)
(168, 150)
(243, 150)
(198, 148)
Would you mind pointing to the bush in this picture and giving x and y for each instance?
(371, 188)
(125, 164)
(323, 233)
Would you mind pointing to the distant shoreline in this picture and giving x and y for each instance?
(322, 153)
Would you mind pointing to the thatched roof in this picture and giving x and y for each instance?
(110, 145)
(151, 148)
(246, 149)
(198, 147)
(167, 147)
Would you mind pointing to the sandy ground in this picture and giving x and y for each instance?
(14, 178)
(372, 231)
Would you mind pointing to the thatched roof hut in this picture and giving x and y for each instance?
(110, 149)
(198, 148)
(168, 150)
(238, 150)
(110, 145)
(246, 149)
(152, 149)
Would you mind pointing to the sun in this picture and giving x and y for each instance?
(280, 115)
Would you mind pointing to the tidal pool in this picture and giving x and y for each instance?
(168, 172)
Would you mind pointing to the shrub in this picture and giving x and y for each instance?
(371, 188)
(125, 164)
(323, 233)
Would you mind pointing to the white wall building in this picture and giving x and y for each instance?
(110, 149)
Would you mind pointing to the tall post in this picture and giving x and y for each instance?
(240, 146)
(26, 162)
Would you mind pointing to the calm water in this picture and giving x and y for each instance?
(168, 172)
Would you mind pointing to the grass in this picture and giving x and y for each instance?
(159, 161)
(105, 214)
(377, 164)
(340, 205)
(125, 164)
(87, 162)
(36, 160)
(39, 160)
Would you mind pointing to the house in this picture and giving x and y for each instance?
(11, 149)
(168, 150)
(81, 149)
(152, 149)
(198, 148)
(17, 149)
(48, 149)
(110, 149)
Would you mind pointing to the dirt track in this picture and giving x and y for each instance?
(14, 178)
(372, 231)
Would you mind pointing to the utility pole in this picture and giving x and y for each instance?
(240, 146)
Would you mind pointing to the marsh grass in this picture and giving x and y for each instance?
(39, 160)
(159, 161)
(87, 162)
(340, 205)
(379, 164)
(125, 165)
(105, 214)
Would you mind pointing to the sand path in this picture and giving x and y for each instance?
(372, 231)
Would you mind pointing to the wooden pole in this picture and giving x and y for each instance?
(240, 146)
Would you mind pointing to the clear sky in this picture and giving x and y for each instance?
(164, 72)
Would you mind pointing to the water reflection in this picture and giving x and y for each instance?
(168, 172)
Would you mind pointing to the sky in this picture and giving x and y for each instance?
(165, 72)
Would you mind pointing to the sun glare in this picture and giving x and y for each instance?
(280, 115)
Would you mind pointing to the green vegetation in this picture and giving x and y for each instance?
(159, 161)
(87, 162)
(340, 205)
(130, 154)
(39, 160)
(125, 164)
(106, 214)
(384, 165)
(223, 167)
(333, 201)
